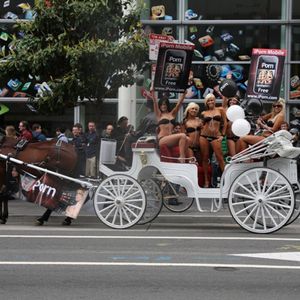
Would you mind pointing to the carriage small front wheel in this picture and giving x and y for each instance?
(261, 200)
(119, 201)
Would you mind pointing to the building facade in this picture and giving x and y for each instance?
(224, 33)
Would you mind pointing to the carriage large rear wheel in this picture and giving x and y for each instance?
(261, 200)
(119, 201)
(154, 201)
(175, 197)
(296, 212)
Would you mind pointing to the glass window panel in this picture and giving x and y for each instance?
(205, 78)
(234, 9)
(296, 9)
(161, 10)
(295, 82)
(295, 45)
(231, 42)
(16, 9)
(162, 29)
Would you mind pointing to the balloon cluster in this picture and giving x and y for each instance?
(240, 126)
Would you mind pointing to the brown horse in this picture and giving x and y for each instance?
(53, 155)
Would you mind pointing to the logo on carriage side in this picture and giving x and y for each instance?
(44, 189)
(143, 158)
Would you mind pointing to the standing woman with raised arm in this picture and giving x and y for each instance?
(192, 125)
(214, 128)
(166, 122)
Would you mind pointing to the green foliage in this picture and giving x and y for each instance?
(77, 46)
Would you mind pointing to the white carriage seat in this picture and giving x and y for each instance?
(145, 142)
(281, 143)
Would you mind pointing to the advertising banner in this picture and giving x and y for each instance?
(173, 67)
(54, 193)
(155, 40)
(265, 74)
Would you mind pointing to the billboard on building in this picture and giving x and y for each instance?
(173, 67)
(265, 74)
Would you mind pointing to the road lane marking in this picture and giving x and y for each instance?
(291, 256)
(146, 237)
(138, 264)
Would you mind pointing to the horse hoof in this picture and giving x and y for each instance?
(66, 222)
(39, 222)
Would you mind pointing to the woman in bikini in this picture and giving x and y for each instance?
(166, 123)
(232, 140)
(212, 134)
(268, 123)
(192, 125)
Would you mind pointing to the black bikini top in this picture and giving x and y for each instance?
(167, 121)
(215, 118)
(270, 123)
(192, 129)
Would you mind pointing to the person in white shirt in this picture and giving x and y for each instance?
(60, 134)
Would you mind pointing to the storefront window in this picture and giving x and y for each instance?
(295, 82)
(233, 9)
(170, 30)
(161, 10)
(17, 9)
(231, 42)
(295, 45)
(296, 9)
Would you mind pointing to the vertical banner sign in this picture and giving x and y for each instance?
(265, 74)
(173, 67)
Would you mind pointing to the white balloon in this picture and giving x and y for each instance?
(235, 112)
(240, 127)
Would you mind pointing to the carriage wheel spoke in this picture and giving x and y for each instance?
(111, 211)
(106, 196)
(271, 185)
(120, 216)
(256, 217)
(242, 202)
(279, 204)
(243, 195)
(270, 215)
(252, 185)
(134, 200)
(131, 211)
(126, 215)
(275, 211)
(246, 189)
(114, 188)
(128, 190)
(109, 192)
(132, 206)
(263, 219)
(250, 214)
(122, 190)
(115, 215)
(246, 208)
(106, 208)
(265, 183)
(276, 191)
(258, 181)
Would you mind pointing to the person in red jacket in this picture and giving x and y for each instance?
(25, 133)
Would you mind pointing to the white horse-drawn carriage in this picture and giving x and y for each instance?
(259, 185)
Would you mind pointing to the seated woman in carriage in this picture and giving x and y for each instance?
(267, 124)
(166, 123)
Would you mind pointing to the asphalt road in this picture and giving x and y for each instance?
(186, 256)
